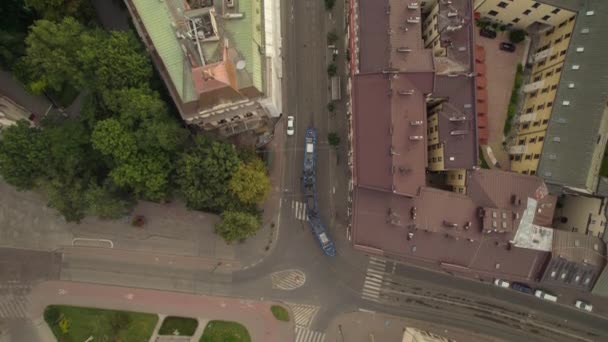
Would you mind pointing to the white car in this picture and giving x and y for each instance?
(584, 305)
(290, 125)
(501, 283)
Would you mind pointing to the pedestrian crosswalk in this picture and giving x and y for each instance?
(13, 306)
(288, 279)
(373, 278)
(299, 210)
(303, 314)
(307, 335)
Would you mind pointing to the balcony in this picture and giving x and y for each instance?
(530, 87)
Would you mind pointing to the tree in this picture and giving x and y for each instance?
(107, 202)
(329, 4)
(517, 36)
(51, 55)
(250, 184)
(332, 38)
(332, 70)
(236, 225)
(112, 139)
(146, 174)
(334, 139)
(66, 195)
(22, 153)
(114, 61)
(331, 107)
(204, 172)
(58, 9)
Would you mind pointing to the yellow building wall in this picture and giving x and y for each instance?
(556, 41)
(521, 13)
(527, 162)
(457, 180)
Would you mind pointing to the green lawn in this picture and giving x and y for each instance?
(102, 325)
(280, 313)
(224, 331)
(185, 326)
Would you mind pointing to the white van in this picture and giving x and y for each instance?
(546, 296)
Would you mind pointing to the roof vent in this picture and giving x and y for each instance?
(548, 174)
(590, 13)
(566, 103)
(404, 49)
(406, 92)
(570, 85)
(552, 156)
(416, 137)
(413, 20)
(452, 158)
(557, 139)
(576, 67)
(585, 30)
(580, 49)
(561, 120)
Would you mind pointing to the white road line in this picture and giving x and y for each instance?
(306, 335)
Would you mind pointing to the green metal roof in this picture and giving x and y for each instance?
(572, 134)
(157, 21)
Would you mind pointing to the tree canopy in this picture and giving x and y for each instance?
(22, 151)
(250, 184)
(237, 225)
(204, 172)
(58, 9)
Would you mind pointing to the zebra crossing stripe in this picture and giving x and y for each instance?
(288, 279)
(306, 335)
(13, 308)
(303, 314)
(299, 210)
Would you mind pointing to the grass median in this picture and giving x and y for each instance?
(71, 323)
(280, 313)
(179, 326)
(225, 331)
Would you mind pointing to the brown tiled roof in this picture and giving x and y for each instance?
(407, 52)
(373, 35)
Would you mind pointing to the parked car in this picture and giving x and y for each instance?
(488, 33)
(522, 288)
(583, 305)
(504, 46)
(501, 283)
(290, 125)
(545, 295)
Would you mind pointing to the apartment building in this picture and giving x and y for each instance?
(547, 61)
(563, 125)
(210, 55)
(522, 14)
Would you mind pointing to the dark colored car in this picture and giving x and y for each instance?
(507, 47)
(522, 288)
(486, 32)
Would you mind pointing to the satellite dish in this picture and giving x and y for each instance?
(240, 65)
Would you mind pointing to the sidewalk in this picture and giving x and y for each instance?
(254, 315)
(359, 326)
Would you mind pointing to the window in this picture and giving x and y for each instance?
(521, 141)
(532, 172)
(545, 121)
(517, 157)
(533, 95)
(553, 57)
(563, 24)
(529, 110)
(526, 12)
(549, 104)
(536, 156)
(459, 176)
(439, 159)
(516, 20)
(547, 17)
(532, 140)
(493, 13)
(545, 90)
(536, 5)
(541, 139)
(567, 35)
(550, 32)
(571, 19)
(558, 40)
(525, 172)
(526, 126)
(563, 52)
(549, 73)
(555, 11)
(528, 156)
(541, 63)
(503, 4)
(537, 78)
(558, 69)
(553, 87)
(539, 107)
(536, 124)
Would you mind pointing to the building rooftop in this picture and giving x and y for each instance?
(573, 133)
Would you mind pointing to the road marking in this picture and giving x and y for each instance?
(104, 241)
(12, 306)
(303, 314)
(299, 210)
(288, 280)
(62, 292)
(372, 285)
(306, 335)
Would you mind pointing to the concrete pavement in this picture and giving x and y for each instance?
(254, 315)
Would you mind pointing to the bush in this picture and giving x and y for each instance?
(513, 102)
(334, 139)
(331, 107)
(517, 36)
(51, 315)
(332, 70)
(332, 38)
(329, 4)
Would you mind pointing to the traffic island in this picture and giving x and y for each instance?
(178, 326)
(221, 331)
(70, 323)
(280, 313)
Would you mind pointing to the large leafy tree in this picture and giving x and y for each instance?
(250, 184)
(107, 201)
(204, 172)
(237, 225)
(51, 55)
(22, 154)
(114, 61)
(58, 9)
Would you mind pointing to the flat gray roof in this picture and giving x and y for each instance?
(574, 129)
